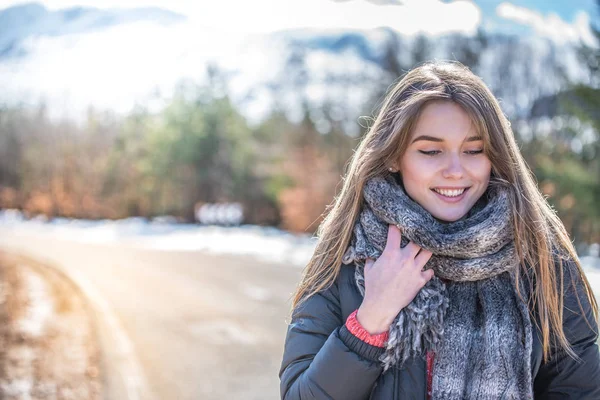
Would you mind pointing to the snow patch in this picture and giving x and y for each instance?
(266, 243)
(19, 387)
(40, 305)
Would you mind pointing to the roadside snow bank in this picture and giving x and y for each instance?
(267, 243)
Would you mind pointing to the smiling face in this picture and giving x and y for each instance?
(444, 168)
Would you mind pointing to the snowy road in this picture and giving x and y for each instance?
(179, 325)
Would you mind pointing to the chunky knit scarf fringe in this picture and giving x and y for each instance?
(476, 324)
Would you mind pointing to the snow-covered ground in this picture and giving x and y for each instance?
(49, 347)
(267, 243)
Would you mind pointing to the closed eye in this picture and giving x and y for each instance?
(429, 153)
(434, 152)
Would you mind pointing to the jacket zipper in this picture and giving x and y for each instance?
(373, 391)
(430, 359)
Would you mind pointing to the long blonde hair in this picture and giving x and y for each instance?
(537, 228)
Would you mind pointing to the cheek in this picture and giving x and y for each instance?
(481, 168)
(418, 171)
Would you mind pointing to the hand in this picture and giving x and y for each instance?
(392, 282)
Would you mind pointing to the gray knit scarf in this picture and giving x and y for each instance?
(476, 324)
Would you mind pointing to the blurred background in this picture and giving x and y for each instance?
(165, 164)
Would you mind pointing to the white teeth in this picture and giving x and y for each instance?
(450, 193)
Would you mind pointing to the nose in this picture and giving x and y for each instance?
(453, 168)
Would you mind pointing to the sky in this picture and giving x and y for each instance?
(570, 18)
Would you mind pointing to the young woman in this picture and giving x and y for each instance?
(440, 271)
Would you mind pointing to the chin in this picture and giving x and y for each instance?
(442, 217)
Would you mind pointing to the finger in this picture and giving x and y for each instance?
(369, 263)
(428, 274)
(422, 258)
(411, 249)
(393, 238)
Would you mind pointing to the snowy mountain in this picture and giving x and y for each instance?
(21, 22)
(116, 58)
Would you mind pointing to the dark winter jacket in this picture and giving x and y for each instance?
(323, 360)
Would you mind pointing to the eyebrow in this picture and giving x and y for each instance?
(437, 139)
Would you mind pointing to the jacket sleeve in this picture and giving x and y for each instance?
(321, 358)
(563, 377)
